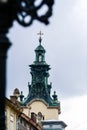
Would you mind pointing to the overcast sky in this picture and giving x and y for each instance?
(65, 42)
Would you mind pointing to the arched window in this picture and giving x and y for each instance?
(40, 58)
(40, 116)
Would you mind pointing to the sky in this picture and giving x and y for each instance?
(65, 42)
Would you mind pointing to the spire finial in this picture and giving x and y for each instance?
(40, 34)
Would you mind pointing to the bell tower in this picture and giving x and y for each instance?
(39, 96)
(40, 51)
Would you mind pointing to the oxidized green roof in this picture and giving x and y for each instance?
(40, 48)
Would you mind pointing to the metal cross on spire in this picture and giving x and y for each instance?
(40, 34)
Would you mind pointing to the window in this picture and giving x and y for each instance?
(40, 116)
(12, 121)
(5, 119)
(40, 58)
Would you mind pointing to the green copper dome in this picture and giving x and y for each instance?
(40, 48)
